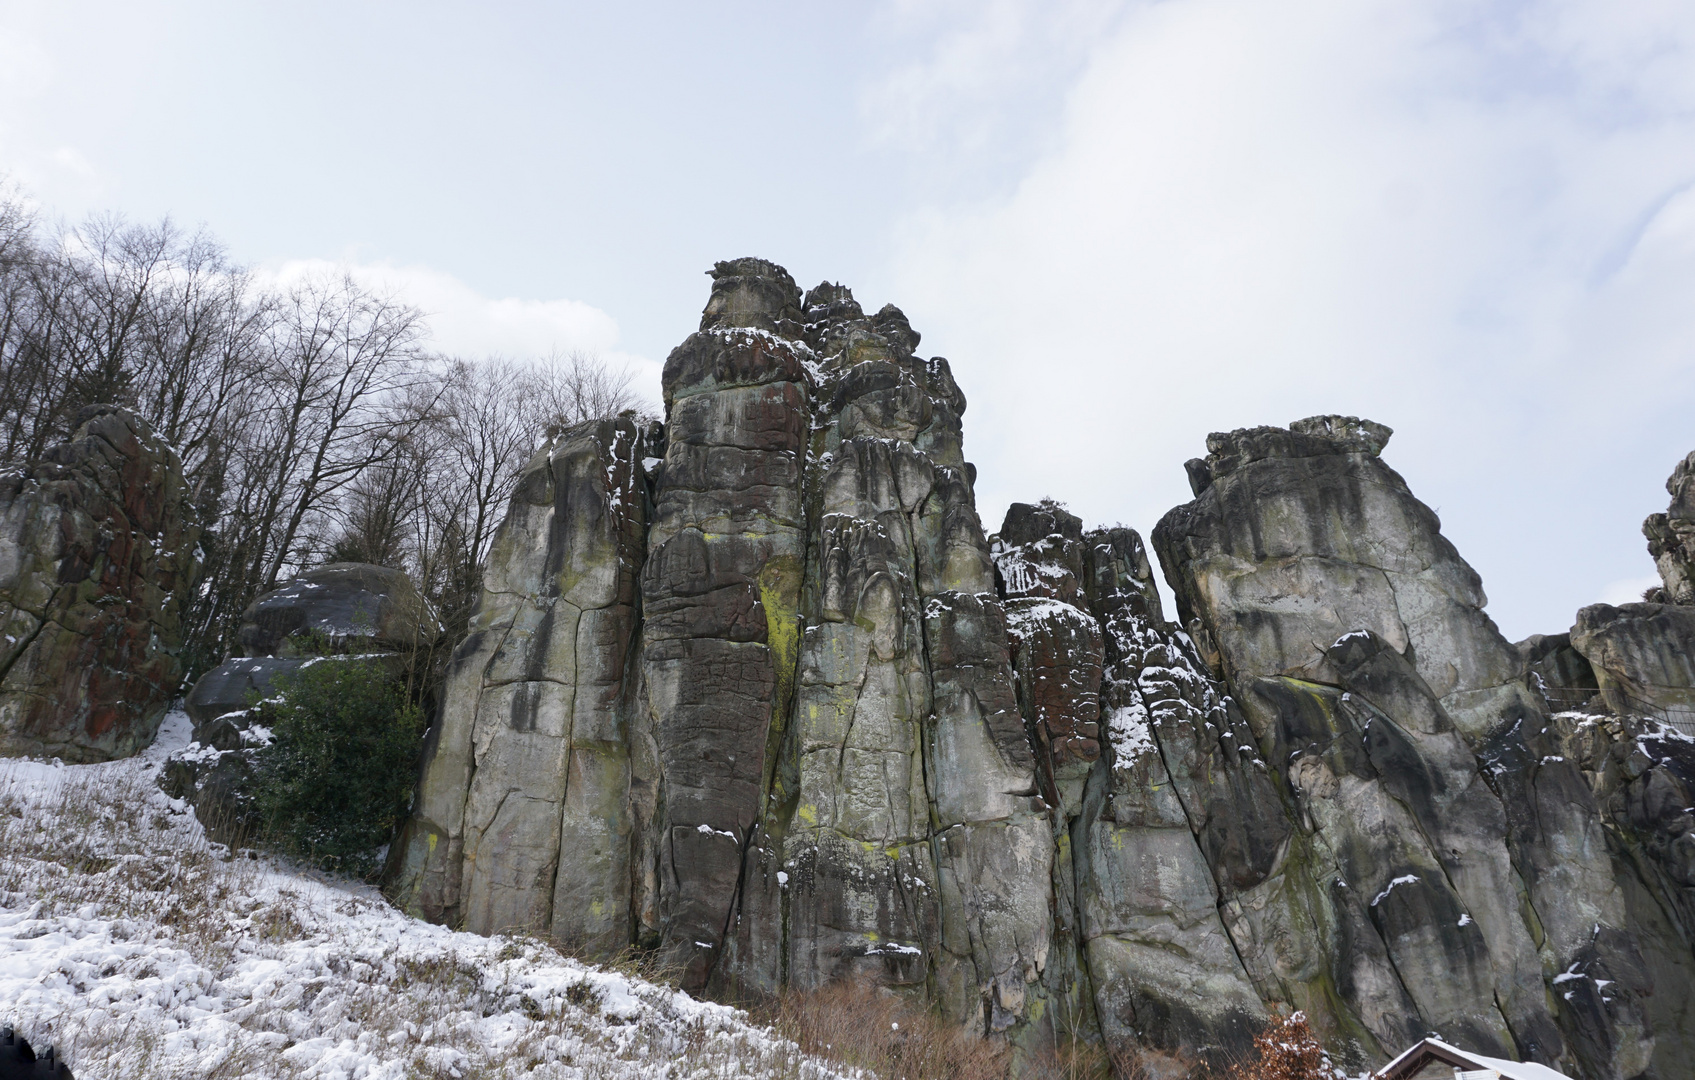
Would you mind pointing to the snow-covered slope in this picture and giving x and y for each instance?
(142, 950)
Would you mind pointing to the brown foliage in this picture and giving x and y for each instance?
(886, 1035)
(1286, 1050)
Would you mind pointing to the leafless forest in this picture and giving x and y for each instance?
(314, 421)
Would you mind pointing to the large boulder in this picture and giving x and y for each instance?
(235, 684)
(338, 609)
(334, 612)
(1642, 656)
(342, 608)
(99, 550)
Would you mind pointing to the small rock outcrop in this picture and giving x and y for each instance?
(1642, 655)
(99, 550)
(332, 611)
(1671, 536)
(335, 609)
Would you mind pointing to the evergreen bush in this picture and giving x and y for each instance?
(335, 779)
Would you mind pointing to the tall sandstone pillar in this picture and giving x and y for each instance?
(720, 594)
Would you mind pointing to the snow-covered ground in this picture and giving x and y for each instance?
(141, 950)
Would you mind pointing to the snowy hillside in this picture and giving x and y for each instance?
(141, 950)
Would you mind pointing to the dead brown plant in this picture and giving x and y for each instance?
(888, 1036)
(1285, 1050)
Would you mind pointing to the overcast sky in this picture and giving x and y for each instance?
(1126, 224)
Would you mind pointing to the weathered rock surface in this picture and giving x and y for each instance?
(1139, 821)
(1642, 655)
(753, 690)
(790, 750)
(531, 756)
(1456, 863)
(1671, 536)
(98, 550)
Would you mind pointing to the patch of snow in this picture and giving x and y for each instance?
(1131, 735)
(138, 947)
(1406, 879)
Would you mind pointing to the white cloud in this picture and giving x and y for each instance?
(464, 322)
(1473, 223)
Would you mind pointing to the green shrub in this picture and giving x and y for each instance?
(335, 780)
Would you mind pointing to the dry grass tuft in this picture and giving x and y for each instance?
(887, 1036)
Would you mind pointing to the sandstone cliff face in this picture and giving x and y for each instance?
(1456, 865)
(1170, 801)
(757, 667)
(98, 550)
(752, 688)
(532, 752)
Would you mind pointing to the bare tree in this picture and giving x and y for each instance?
(575, 386)
(341, 366)
(310, 422)
(494, 415)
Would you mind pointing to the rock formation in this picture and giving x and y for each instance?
(752, 688)
(1642, 655)
(335, 610)
(1456, 863)
(1671, 537)
(98, 551)
(740, 689)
